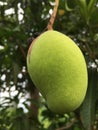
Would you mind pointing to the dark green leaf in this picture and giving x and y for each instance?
(87, 111)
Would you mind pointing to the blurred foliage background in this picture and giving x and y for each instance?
(21, 105)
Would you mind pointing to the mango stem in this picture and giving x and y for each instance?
(53, 16)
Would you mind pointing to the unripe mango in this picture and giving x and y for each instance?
(57, 68)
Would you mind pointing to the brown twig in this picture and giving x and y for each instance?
(91, 53)
(21, 49)
(53, 16)
(69, 125)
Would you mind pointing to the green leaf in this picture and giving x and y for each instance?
(83, 9)
(92, 10)
(91, 7)
(67, 7)
(87, 110)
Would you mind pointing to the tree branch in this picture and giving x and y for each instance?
(53, 16)
(68, 125)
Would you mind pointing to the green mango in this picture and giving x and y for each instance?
(58, 69)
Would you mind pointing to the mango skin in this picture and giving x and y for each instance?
(57, 68)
